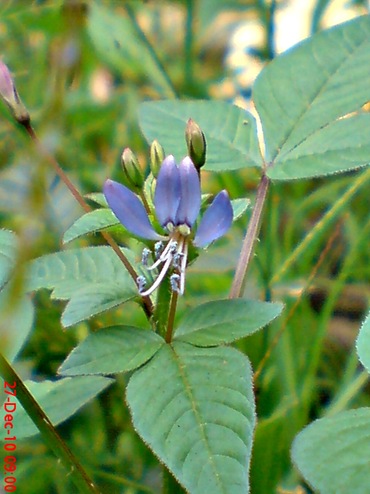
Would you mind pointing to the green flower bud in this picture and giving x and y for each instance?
(196, 143)
(133, 175)
(156, 157)
(9, 94)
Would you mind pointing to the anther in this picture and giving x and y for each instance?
(145, 256)
(141, 282)
(175, 283)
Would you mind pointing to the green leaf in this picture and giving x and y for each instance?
(8, 253)
(92, 300)
(333, 453)
(301, 95)
(224, 321)
(363, 343)
(117, 43)
(16, 316)
(230, 131)
(194, 407)
(111, 350)
(90, 223)
(93, 278)
(239, 207)
(98, 198)
(59, 400)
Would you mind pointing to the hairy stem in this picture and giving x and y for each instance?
(188, 43)
(238, 284)
(76, 472)
(171, 317)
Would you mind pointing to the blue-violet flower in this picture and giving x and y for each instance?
(177, 201)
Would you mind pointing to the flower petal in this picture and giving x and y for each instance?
(216, 220)
(167, 192)
(190, 193)
(129, 210)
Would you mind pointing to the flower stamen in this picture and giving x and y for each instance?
(159, 279)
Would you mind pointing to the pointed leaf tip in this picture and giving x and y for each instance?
(216, 220)
(129, 210)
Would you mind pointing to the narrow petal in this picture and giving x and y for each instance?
(216, 220)
(167, 192)
(129, 210)
(190, 193)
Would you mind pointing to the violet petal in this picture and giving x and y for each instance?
(216, 220)
(190, 193)
(167, 192)
(129, 210)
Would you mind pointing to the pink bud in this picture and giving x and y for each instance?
(7, 89)
(9, 94)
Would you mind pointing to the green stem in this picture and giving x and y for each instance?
(171, 317)
(162, 307)
(238, 284)
(188, 43)
(119, 480)
(142, 36)
(76, 472)
(323, 223)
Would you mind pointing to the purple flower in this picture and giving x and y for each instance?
(177, 201)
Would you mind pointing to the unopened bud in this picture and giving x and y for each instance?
(133, 175)
(9, 94)
(156, 157)
(196, 143)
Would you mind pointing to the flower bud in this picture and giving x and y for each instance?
(196, 143)
(133, 175)
(156, 157)
(9, 94)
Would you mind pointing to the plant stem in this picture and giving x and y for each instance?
(76, 472)
(238, 284)
(58, 170)
(142, 36)
(147, 304)
(330, 215)
(171, 317)
(188, 43)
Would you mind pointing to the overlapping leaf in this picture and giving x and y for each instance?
(59, 400)
(333, 454)
(16, 320)
(197, 416)
(8, 253)
(111, 350)
(230, 131)
(224, 321)
(301, 95)
(363, 343)
(90, 223)
(93, 278)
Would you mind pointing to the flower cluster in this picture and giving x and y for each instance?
(177, 201)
